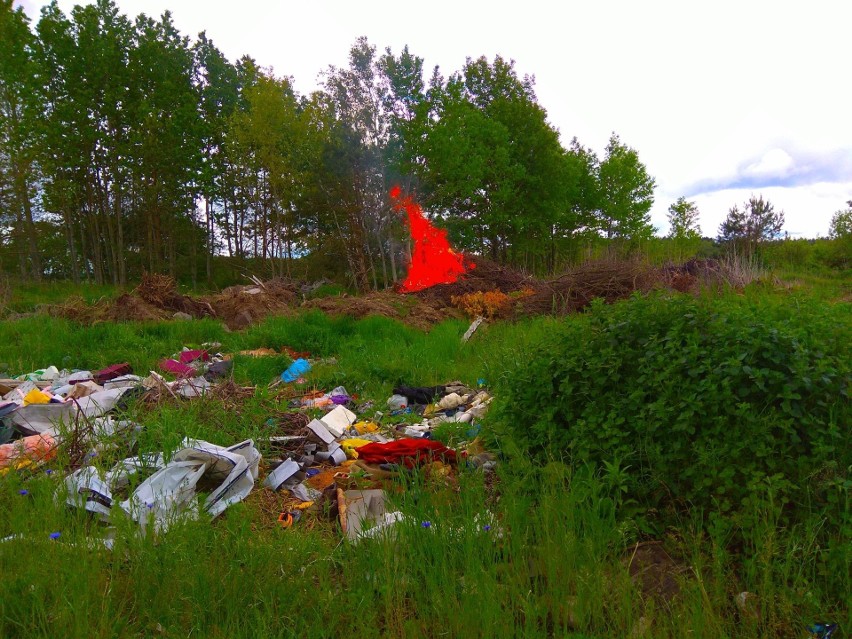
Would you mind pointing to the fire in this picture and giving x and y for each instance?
(433, 260)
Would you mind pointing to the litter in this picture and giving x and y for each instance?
(405, 451)
(295, 370)
(365, 514)
(281, 474)
(338, 420)
(27, 451)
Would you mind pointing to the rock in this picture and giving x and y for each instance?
(182, 316)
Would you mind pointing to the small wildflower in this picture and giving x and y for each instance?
(486, 528)
(55, 535)
(94, 453)
(149, 506)
(426, 524)
(49, 471)
(23, 491)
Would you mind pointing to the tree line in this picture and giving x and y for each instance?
(126, 146)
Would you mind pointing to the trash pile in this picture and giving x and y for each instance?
(324, 459)
(340, 459)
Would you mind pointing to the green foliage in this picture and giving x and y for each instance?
(537, 550)
(626, 193)
(683, 220)
(756, 222)
(708, 402)
(841, 224)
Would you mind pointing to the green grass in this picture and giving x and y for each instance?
(27, 297)
(553, 564)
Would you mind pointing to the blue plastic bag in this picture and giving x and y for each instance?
(296, 370)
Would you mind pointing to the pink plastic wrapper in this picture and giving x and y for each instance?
(190, 356)
(177, 368)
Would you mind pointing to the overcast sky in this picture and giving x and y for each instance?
(721, 99)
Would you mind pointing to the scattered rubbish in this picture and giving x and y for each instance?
(470, 331)
(298, 368)
(822, 630)
(409, 452)
(398, 402)
(338, 420)
(260, 352)
(170, 492)
(281, 474)
(419, 394)
(27, 451)
(364, 514)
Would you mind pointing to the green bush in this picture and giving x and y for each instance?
(704, 402)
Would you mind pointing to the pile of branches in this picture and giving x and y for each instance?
(606, 279)
(161, 292)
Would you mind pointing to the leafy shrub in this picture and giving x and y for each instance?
(708, 402)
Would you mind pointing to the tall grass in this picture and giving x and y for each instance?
(538, 550)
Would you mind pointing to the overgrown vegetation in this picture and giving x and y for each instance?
(712, 430)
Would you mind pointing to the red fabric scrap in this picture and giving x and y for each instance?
(408, 451)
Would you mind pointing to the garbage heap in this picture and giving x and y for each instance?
(312, 460)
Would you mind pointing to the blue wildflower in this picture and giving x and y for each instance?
(55, 535)
(426, 524)
(486, 528)
(23, 491)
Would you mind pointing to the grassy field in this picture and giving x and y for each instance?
(539, 549)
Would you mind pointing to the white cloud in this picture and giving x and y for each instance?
(774, 162)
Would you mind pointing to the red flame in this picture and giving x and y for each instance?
(433, 261)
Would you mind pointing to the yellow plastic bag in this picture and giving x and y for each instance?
(349, 446)
(362, 428)
(35, 396)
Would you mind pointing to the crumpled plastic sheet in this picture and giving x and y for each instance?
(39, 418)
(170, 493)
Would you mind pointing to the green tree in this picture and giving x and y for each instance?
(756, 222)
(841, 223)
(626, 193)
(216, 81)
(492, 164)
(683, 220)
(20, 110)
(165, 144)
(357, 100)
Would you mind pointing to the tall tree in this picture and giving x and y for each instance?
(217, 82)
(683, 220)
(841, 223)
(493, 165)
(20, 110)
(357, 99)
(626, 193)
(756, 222)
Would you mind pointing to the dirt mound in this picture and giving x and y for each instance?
(241, 306)
(128, 308)
(409, 309)
(160, 291)
(484, 276)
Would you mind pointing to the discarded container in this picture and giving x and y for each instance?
(296, 370)
(321, 432)
(284, 472)
(453, 400)
(398, 402)
(338, 420)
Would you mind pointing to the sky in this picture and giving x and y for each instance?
(721, 99)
